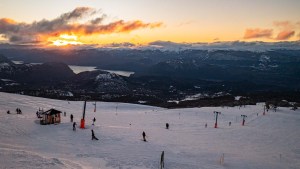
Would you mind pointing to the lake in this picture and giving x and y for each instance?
(78, 69)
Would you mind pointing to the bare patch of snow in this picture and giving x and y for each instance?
(6, 80)
(4, 65)
(237, 97)
(105, 76)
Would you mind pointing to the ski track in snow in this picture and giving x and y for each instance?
(266, 142)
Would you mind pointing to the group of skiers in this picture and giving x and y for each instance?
(93, 134)
(18, 110)
(144, 134)
(74, 126)
(162, 156)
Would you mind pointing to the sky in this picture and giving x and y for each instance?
(60, 22)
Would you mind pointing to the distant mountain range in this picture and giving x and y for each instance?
(256, 46)
(160, 75)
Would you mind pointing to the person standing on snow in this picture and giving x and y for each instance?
(74, 126)
(71, 117)
(94, 120)
(93, 136)
(167, 125)
(144, 136)
(162, 160)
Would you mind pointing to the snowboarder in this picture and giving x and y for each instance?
(167, 125)
(144, 136)
(71, 117)
(94, 120)
(162, 160)
(74, 126)
(93, 136)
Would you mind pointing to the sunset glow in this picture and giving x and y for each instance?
(97, 22)
(66, 39)
(65, 42)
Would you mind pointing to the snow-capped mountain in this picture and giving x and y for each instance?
(212, 71)
(34, 74)
(101, 82)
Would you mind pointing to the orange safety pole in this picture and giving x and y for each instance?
(83, 116)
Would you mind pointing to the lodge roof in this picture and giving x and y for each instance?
(52, 111)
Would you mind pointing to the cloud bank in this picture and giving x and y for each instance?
(258, 33)
(68, 23)
(285, 35)
(285, 31)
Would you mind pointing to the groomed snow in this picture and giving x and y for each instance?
(265, 142)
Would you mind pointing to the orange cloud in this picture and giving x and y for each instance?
(258, 33)
(285, 35)
(68, 23)
(287, 29)
(7, 20)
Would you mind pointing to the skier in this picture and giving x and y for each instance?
(267, 107)
(94, 120)
(18, 111)
(275, 108)
(93, 136)
(71, 117)
(162, 160)
(74, 126)
(144, 136)
(167, 125)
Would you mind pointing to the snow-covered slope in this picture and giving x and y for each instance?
(265, 142)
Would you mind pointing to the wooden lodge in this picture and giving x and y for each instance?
(51, 116)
